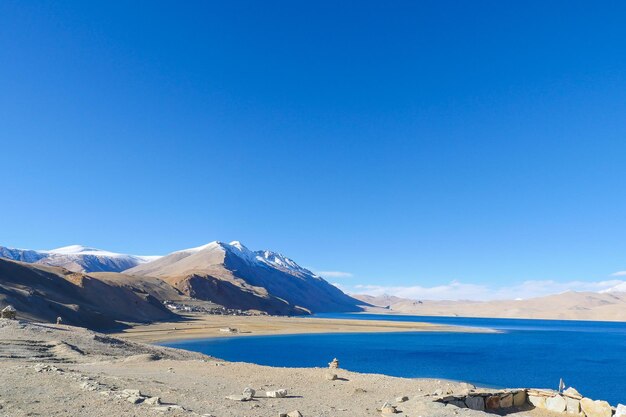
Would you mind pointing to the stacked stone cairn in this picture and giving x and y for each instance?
(569, 402)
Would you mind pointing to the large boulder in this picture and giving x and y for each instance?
(573, 406)
(249, 393)
(492, 402)
(279, 393)
(597, 408)
(519, 398)
(457, 403)
(572, 393)
(620, 411)
(537, 401)
(475, 403)
(506, 400)
(556, 404)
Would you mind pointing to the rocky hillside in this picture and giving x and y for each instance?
(43, 293)
(236, 277)
(229, 275)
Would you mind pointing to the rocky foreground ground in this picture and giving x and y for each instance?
(50, 370)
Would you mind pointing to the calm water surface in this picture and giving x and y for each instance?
(590, 356)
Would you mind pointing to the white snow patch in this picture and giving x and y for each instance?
(80, 250)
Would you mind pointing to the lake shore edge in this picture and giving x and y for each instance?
(202, 326)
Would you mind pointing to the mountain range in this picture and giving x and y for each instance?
(77, 258)
(570, 305)
(98, 288)
(135, 288)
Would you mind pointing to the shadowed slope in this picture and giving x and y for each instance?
(43, 293)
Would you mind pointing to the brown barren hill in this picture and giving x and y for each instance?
(44, 293)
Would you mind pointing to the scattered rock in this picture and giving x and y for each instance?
(402, 399)
(131, 393)
(334, 364)
(595, 408)
(238, 398)
(438, 392)
(249, 393)
(294, 413)
(153, 401)
(331, 376)
(620, 411)
(225, 330)
(165, 408)
(475, 403)
(40, 367)
(388, 409)
(556, 404)
(135, 399)
(281, 393)
(89, 386)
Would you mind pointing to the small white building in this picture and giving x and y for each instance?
(9, 312)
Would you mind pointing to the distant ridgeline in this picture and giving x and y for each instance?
(95, 288)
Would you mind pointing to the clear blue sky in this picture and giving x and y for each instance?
(406, 142)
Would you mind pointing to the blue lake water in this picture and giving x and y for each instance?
(590, 356)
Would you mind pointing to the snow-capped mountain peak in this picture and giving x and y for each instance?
(276, 260)
(237, 244)
(213, 244)
(241, 251)
(82, 250)
(263, 258)
(78, 258)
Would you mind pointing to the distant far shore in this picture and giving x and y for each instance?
(580, 306)
(380, 311)
(201, 326)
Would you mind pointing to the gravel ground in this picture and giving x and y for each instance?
(50, 370)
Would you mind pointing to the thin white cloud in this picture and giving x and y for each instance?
(457, 290)
(619, 274)
(334, 274)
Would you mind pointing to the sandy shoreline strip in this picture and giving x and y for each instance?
(199, 326)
